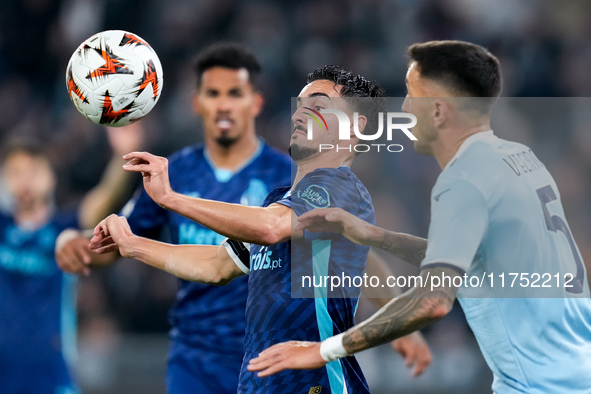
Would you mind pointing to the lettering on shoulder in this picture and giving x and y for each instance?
(523, 162)
(315, 196)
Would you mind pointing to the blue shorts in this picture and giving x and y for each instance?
(193, 370)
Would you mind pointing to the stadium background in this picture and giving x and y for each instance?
(544, 47)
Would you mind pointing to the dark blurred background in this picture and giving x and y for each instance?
(545, 51)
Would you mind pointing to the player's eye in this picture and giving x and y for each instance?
(318, 107)
(211, 93)
(235, 93)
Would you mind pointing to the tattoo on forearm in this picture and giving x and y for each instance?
(400, 317)
(406, 247)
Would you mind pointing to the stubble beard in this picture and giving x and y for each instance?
(299, 153)
(225, 141)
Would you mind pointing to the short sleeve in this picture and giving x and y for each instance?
(325, 188)
(459, 219)
(145, 217)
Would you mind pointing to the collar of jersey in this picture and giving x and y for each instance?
(467, 142)
(223, 175)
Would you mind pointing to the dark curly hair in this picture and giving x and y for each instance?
(366, 97)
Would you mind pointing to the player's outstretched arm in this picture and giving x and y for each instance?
(262, 226)
(415, 309)
(197, 263)
(115, 186)
(71, 251)
(406, 247)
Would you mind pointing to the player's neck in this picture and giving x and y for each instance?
(32, 215)
(446, 148)
(232, 157)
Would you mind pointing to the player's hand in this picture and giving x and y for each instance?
(335, 220)
(112, 234)
(154, 170)
(72, 253)
(287, 355)
(126, 139)
(415, 350)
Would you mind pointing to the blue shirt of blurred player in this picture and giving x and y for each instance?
(232, 166)
(208, 321)
(37, 300)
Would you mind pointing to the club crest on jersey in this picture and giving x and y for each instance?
(315, 196)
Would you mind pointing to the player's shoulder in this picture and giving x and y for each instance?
(277, 194)
(270, 154)
(481, 161)
(328, 180)
(187, 155)
(326, 187)
(337, 174)
(481, 166)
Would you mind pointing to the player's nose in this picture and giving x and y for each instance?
(298, 116)
(224, 104)
(406, 105)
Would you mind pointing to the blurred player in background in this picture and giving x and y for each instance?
(233, 165)
(494, 209)
(37, 300)
(272, 313)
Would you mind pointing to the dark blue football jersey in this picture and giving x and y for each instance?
(37, 308)
(209, 318)
(279, 308)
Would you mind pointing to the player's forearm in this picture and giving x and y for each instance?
(412, 311)
(406, 247)
(243, 223)
(108, 196)
(196, 263)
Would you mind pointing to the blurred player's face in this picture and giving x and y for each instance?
(317, 95)
(418, 103)
(228, 104)
(29, 179)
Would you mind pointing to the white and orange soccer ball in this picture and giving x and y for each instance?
(114, 78)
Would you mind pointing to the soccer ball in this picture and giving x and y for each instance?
(114, 78)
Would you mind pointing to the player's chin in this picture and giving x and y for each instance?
(226, 139)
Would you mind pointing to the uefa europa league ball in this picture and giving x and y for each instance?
(114, 78)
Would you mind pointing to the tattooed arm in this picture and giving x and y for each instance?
(411, 311)
(406, 247)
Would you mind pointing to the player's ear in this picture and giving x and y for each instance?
(441, 112)
(258, 103)
(197, 104)
(361, 123)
